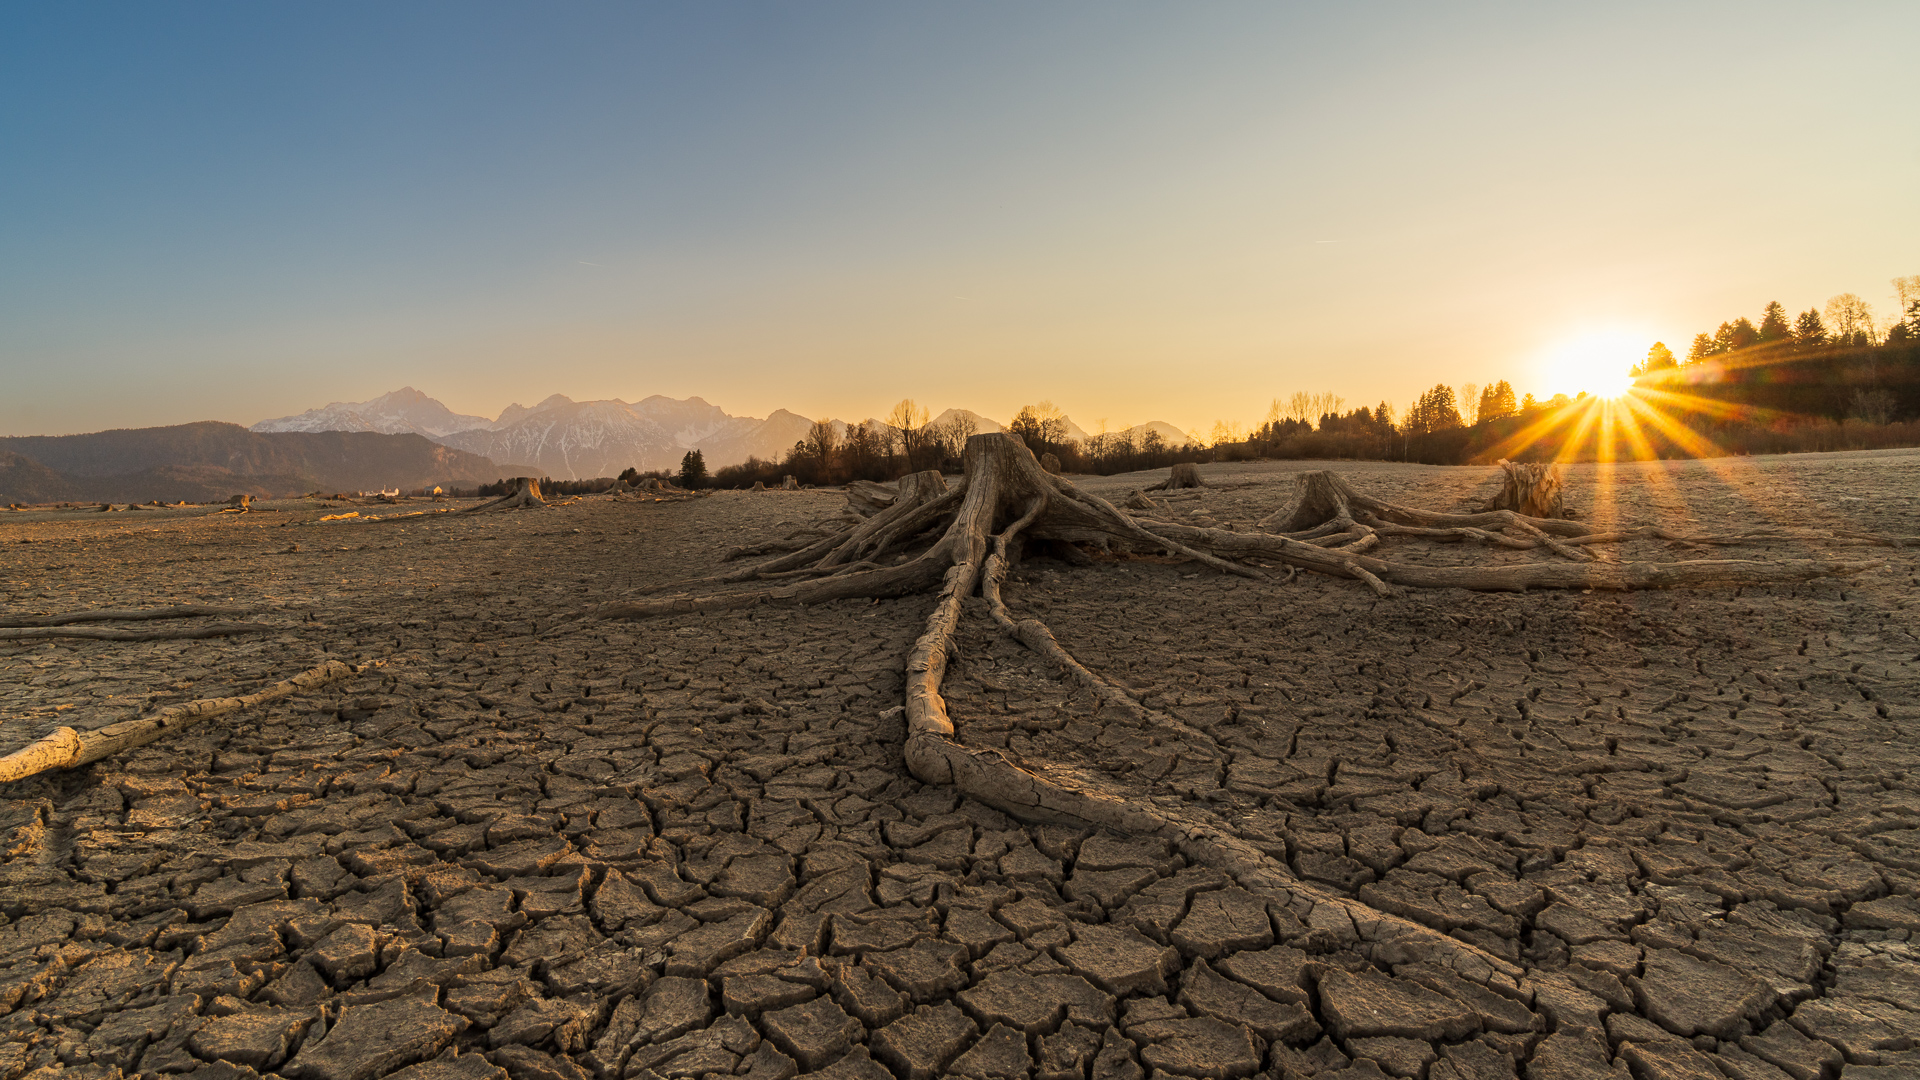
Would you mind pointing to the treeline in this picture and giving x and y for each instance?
(906, 442)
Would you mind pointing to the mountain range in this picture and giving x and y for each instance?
(576, 440)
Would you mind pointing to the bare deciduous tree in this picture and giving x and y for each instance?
(1850, 320)
(908, 421)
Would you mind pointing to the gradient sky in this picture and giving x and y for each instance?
(1168, 211)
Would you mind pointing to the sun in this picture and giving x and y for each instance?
(1598, 362)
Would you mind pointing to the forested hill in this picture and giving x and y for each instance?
(211, 460)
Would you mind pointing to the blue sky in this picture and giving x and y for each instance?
(1173, 212)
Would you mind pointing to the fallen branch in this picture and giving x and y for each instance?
(179, 611)
(67, 748)
(107, 633)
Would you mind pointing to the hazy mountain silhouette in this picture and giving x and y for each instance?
(212, 460)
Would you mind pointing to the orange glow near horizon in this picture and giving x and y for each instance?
(1598, 362)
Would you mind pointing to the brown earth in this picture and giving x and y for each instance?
(1665, 834)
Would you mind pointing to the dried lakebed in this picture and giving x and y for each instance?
(1552, 834)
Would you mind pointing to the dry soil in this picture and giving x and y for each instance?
(1672, 834)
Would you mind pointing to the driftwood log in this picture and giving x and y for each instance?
(67, 748)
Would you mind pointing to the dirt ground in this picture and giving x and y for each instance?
(1548, 834)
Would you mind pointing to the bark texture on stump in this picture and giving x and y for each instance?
(1532, 489)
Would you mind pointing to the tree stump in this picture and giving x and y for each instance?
(1050, 463)
(788, 483)
(525, 495)
(1184, 474)
(1532, 489)
(758, 485)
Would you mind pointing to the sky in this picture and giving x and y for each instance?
(1139, 211)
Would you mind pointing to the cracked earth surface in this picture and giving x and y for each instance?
(1669, 834)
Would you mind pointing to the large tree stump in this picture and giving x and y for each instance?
(525, 495)
(1531, 489)
(1050, 463)
(788, 483)
(1184, 474)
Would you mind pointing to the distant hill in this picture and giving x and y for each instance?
(211, 460)
(25, 480)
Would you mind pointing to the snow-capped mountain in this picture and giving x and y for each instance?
(402, 411)
(569, 439)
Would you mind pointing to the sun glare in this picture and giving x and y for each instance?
(1597, 362)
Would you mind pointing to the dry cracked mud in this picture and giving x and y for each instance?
(1663, 834)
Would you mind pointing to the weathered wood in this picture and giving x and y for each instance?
(1532, 489)
(525, 495)
(67, 748)
(108, 633)
(1184, 474)
(177, 611)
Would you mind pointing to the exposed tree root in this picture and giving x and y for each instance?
(67, 748)
(178, 611)
(1005, 498)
